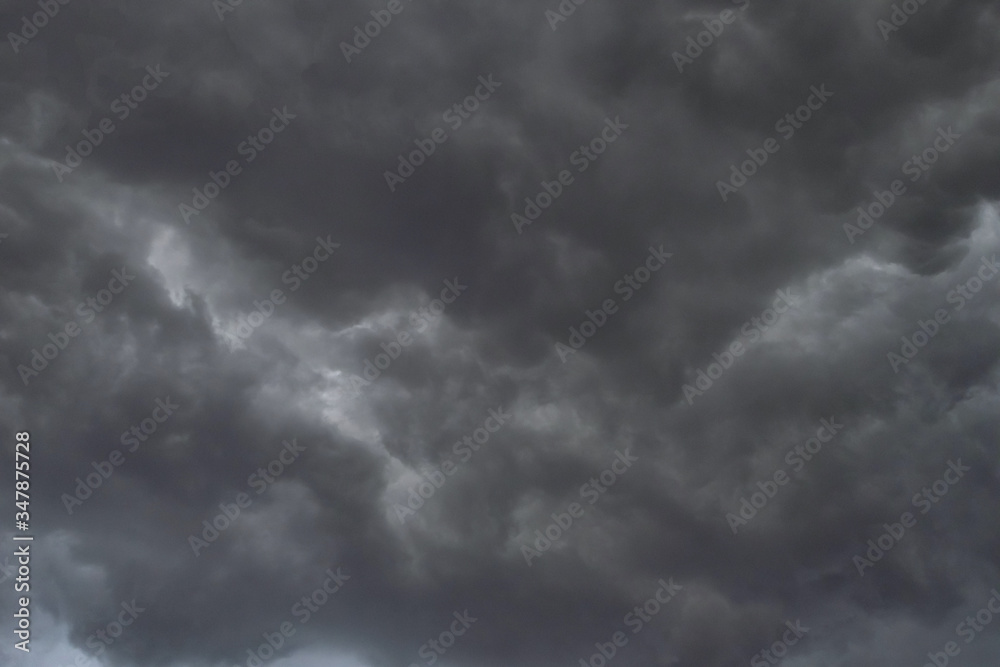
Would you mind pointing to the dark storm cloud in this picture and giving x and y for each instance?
(200, 324)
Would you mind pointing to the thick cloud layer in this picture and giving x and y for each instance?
(490, 333)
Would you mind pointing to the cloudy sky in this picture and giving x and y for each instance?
(405, 333)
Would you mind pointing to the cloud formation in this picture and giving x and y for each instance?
(224, 165)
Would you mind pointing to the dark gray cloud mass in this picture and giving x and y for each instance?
(620, 370)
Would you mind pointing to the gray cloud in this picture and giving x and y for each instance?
(171, 331)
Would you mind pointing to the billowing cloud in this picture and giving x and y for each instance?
(398, 333)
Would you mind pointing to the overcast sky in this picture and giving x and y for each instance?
(530, 330)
